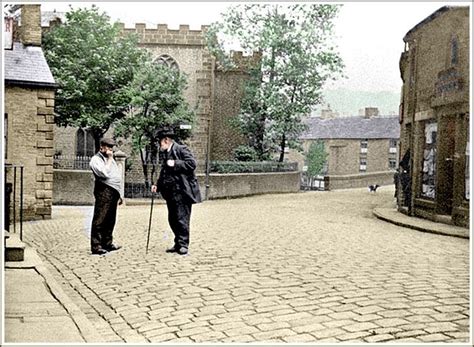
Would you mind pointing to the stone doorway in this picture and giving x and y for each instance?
(446, 149)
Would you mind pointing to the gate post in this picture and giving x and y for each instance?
(120, 159)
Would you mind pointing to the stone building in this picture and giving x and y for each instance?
(434, 116)
(29, 115)
(213, 91)
(361, 150)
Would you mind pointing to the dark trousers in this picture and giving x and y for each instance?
(179, 215)
(105, 213)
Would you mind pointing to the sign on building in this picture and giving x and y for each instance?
(8, 33)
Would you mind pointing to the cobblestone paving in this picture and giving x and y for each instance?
(307, 267)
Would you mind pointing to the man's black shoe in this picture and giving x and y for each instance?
(113, 248)
(173, 249)
(99, 251)
(182, 251)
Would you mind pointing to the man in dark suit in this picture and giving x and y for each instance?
(178, 185)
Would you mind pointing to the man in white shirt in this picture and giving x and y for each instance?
(107, 197)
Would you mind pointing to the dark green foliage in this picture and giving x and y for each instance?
(245, 153)
(156, 101)
(92, 63)
(316, 158)
(297, 60)
(248, 167)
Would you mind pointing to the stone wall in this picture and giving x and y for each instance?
(360, 180)
(30, 124)
(73, 187)
(238, 185)
(76, 187)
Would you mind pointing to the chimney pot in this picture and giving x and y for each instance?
(371, 112)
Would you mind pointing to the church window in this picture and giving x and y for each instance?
(85, 144)
(167, 60)
(454, 51)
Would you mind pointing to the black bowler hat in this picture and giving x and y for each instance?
(107, 141)
(165, 132)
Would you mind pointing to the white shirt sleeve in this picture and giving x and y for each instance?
(98, 167)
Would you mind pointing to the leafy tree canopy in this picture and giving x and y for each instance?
(316, 158)
(92, 62)
(298, 58)
(156, 96)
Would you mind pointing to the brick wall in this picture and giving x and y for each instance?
(30, 143)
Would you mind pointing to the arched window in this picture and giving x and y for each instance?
(454, 51)
(167, 60)
(85, 145)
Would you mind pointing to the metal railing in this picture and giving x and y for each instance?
(70, 162)
(137, 190)
(14, 174)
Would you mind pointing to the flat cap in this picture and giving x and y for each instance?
(107, 141)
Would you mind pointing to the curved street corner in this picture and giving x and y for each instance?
(307, 267)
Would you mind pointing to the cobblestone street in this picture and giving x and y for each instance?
(307, 267)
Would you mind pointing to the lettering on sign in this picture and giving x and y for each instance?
(8, 33)
(448, 81)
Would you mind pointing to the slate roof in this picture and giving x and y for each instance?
(379, 127)
(26, 65)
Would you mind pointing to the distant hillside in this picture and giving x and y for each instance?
(349, 102)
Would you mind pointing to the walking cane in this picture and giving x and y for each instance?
(149, 223)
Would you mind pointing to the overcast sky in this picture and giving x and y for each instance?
(369, 35)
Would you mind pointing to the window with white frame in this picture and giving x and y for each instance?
(363, 165)
(392, 163)
(364, 144)
(392, 146)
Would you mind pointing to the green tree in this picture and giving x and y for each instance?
(156, 101)
(297, 60)
(92, 62)
(316, 158)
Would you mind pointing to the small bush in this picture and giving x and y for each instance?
(245, 153)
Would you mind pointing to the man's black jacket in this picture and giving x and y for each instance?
(182, 172)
